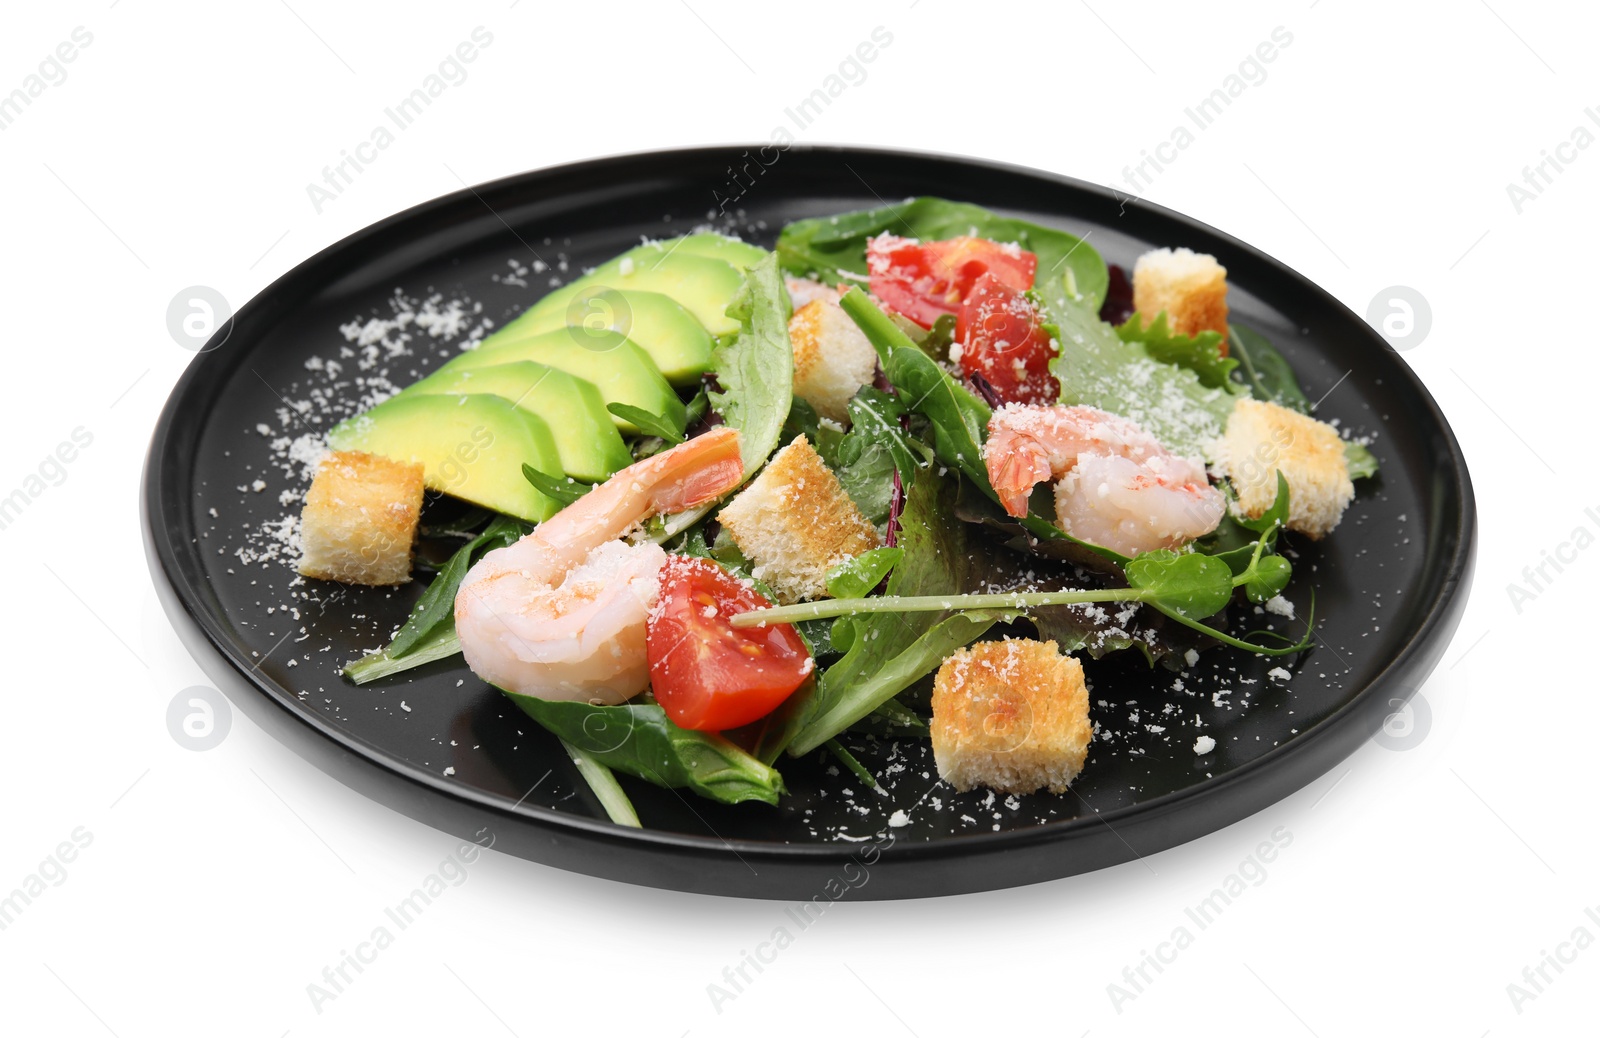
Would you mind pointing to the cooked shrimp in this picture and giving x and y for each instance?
(561, 613)
(1118, 486)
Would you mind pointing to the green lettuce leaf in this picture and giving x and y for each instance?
(756, 370)
(1359, 461)
(1201, 354)
(1096, 367)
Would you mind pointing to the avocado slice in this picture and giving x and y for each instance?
(706, 244)
(658, 324)
(472, 447)
(586, 438)
(703, 286)
(618, 368)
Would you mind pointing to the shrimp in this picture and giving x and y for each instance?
(1118, 486)
(561, 614)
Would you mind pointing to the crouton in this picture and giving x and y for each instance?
(1192, 287)
(832, 358)
(1263, 439)
(1012, 715)
(795, 522)
(360, 519)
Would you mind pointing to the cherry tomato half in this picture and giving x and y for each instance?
(922, 280)
(1003, 339)
(707, 674)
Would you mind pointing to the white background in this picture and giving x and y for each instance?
(217, 886)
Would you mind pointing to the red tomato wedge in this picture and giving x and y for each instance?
(1003, 339)
(923, 280)
(707, 674)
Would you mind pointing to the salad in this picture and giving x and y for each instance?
(897, 479)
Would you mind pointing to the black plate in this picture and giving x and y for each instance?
(1390, 583)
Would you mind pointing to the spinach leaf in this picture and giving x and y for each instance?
(1264, 370)
(1359, 461)
(1096, 367)
(855, 577)
(888, 651)
(829, 246)
(1201, 354)
(638, 738)
(756, 370)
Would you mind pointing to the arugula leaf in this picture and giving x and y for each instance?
(650, 424)
(1096, 367)
(1359, 461)
(855, 577)
(756, 369)
(887, 652)
(850, 763)
(867, 457)
(562, 491)
(1201, 353)
(829, 246)
(639, 739)
(1264, 370)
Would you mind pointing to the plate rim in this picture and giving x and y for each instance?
(1427, 638)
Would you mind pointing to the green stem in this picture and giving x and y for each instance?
(933, 604)
(848, 759)
(605, 785)
(875, 325)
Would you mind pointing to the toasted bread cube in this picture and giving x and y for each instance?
(1012, 715)
(795, 522)
(1263, 439)
(360, 519)
(1192, 287)
(832, 358)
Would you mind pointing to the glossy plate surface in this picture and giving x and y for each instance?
(394, 300)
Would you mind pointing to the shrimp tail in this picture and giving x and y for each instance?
(1014, 474)
(696, 471)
